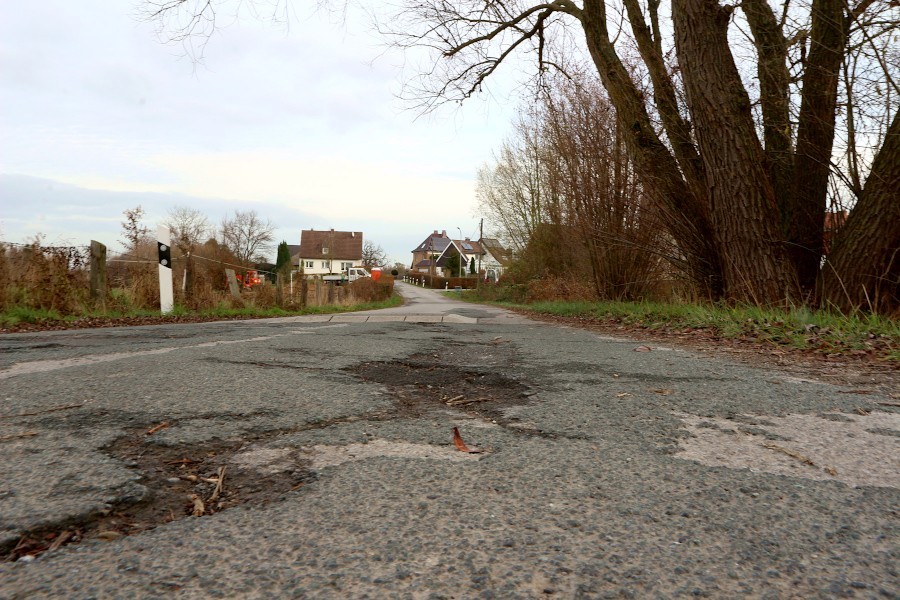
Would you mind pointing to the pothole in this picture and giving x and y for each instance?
(859, 450)
(181, 481)
(420, 386)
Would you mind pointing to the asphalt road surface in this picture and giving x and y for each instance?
(314, 457)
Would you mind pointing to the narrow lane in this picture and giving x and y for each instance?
(602, 471)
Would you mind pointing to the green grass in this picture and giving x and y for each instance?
(800, 328)
(20, 316)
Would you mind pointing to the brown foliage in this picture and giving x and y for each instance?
(559, 288)
(52, 278)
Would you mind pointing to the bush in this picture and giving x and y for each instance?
(367, 289)
(559, 288)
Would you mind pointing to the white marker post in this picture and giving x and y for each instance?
(166, 295)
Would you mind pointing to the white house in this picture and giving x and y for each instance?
(329, 251)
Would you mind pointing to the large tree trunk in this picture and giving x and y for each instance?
(677, 128)
(743, 209)
(805, 216)
(863, 269)
(684, 212)
(774, 81)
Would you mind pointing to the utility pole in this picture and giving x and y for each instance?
(459, 230)
(480, 243)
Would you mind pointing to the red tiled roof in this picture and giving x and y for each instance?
(333, 244)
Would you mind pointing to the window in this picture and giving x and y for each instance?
(346, 265)
(309, 264)
(324, 264)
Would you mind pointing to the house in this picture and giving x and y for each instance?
(491, 259)
(427, 252)
(466, 249)
(495, 259)
(329, 251)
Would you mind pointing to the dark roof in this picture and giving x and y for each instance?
(436, 243)
(500, 254)
(424, 263)
(336, 244)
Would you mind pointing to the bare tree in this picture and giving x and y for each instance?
(566, 191)
(600, 198)
(188, 227)
(737, 165)
(134, 232)
(373, 255)
(248, 236)
(513, 192)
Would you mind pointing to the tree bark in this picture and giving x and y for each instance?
(677, 128)
(743, 209)
(863, 269)
(805, 216)
(685, 212)
(774, 80)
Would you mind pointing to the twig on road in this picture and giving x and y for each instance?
(219, 484)
(17, 436)
(156, 428)
(804, 459)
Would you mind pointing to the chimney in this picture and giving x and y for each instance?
(468, 240)
(435, 232)
(443, 233)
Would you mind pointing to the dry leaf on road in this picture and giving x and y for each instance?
(643, 349)
(461, 445)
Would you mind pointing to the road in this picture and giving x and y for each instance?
(317, 454)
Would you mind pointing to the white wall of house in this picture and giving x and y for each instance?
(489, 263)
(322, 265)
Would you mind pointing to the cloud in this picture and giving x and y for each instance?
(67, 214)
(300, 124)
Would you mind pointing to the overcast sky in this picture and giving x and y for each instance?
(301, 124)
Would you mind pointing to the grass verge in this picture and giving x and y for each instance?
(17, 319)
(799, 329)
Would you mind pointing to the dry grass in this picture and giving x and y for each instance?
(51, 283)
(43, 278)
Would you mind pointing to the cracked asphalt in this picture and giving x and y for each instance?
(580, 489)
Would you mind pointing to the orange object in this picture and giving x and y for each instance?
(376, 274)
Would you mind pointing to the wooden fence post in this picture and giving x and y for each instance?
(279, 290)
(232, 283)
(98, 272)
